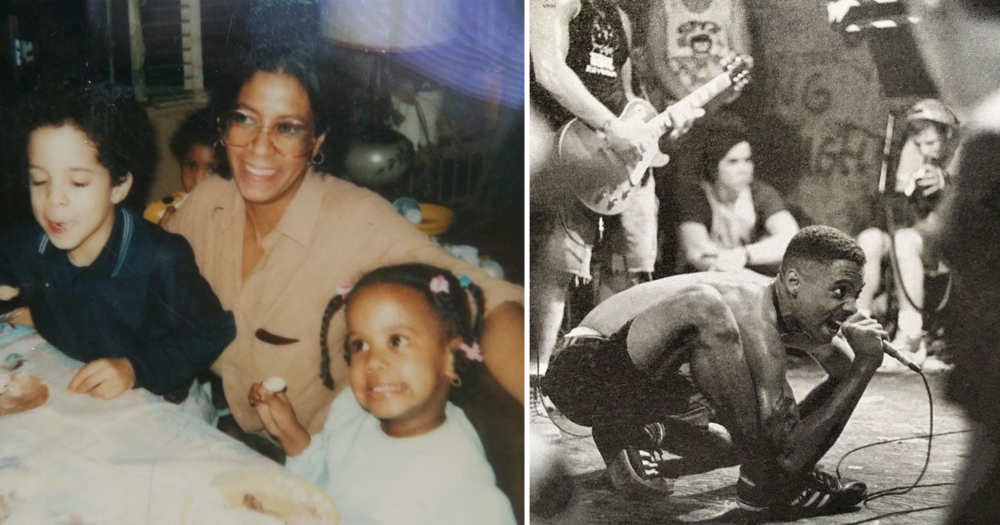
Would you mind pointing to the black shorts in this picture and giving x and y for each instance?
(593, 382)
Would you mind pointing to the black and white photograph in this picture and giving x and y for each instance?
(762, 243)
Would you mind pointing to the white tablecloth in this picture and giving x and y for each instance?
(132, 460)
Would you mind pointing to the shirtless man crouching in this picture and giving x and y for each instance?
(694, 365)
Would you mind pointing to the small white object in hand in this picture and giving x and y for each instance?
(274, 385)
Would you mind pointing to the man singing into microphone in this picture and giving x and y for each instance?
(694, 365)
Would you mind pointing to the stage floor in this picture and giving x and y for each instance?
(894, 406)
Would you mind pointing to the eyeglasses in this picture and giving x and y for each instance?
(289, 137)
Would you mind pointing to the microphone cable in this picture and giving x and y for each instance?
(538, 403)
(905, 489)
(894, 260)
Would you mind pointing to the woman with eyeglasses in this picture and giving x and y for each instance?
(278, 240)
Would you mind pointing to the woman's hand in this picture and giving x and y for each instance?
(278, 417)
(106, 378)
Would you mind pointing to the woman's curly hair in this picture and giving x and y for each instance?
(328, 89)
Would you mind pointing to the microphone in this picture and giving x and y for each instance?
(893, 352)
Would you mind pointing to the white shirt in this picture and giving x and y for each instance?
(437, 478)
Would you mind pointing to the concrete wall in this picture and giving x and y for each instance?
(830, 95)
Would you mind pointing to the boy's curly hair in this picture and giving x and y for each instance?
(108, 114)
(458, 316)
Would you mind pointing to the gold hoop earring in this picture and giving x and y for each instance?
(456, 381)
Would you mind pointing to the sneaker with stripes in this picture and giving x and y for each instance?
(817, 493)
(636, 468)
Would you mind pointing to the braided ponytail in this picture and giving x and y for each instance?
(324, 329)
(467, 322)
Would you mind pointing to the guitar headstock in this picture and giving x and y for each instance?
(739, 70)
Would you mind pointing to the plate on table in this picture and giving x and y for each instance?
(21, 391)
(270, 496)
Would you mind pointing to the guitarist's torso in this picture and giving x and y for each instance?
(598, 49)
(580, 145)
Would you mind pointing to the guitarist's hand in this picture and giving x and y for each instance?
(682, 117)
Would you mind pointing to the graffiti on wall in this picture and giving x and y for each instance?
(847, 151)
(833, 97)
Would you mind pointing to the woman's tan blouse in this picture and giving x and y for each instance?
(332, 233)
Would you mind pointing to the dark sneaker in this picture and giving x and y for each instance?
(635, 470)
(817, 493)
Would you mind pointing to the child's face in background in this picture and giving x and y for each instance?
(196, 165)
(401, 366)
(71, 192)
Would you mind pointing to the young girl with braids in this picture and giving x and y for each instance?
(394, 449)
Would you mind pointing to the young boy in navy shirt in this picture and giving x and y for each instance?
(102, 285)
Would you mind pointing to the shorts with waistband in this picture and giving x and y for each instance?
(570, 233)
(593, 382)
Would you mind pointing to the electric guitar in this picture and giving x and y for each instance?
(582, 145)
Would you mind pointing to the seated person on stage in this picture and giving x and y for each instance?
(923, 177)
(694, 365)
(394, 449)
(193, 145)
(732, 221)
(101, 284)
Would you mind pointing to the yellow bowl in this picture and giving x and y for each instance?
(437, 219)
(154, 212)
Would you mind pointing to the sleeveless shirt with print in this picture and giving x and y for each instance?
(698, 38)
(598, 48)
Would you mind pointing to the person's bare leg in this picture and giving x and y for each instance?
(639, 234)
(548, 302)
(718, 366)
(909, 250)
(700, 451)
(873, 242)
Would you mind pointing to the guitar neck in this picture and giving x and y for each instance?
(698, 98)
